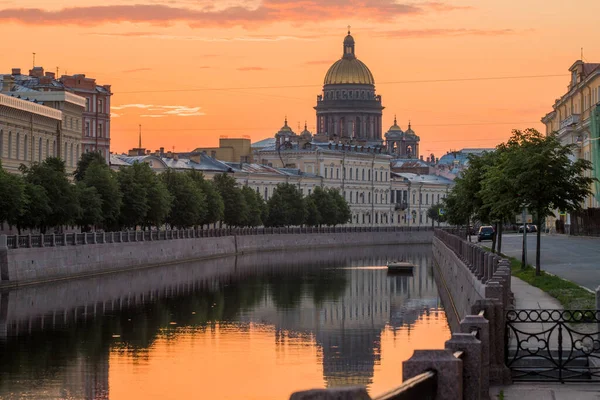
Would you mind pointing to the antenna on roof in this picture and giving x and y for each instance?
(57, 72)
(140, 138)
(582, 58)
(33, 60)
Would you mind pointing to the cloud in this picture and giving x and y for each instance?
(247, 38)
(251, 69)
(266, 12)
(161, 110)
(425, 33)
(129, 71)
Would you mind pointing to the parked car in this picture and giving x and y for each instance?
(530, 228)
(486, 232)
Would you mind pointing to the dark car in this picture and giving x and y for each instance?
(485, 233)
(530, 228)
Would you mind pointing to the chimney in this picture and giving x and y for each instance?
(169, 155)
(7, 83)
(176, 157)
(421, 158)
(162, 151)
(16, 71)
(50, 75)
(36, 72)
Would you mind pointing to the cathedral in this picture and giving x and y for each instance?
(350, 111)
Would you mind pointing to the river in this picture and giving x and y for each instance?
(251, 327)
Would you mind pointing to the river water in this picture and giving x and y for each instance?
(253, 327)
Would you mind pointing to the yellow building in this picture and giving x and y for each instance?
(230, 150)
(571, 117)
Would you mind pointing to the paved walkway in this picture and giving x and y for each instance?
(574, 258)
(527, 296)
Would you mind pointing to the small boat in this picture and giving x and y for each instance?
(401, 267)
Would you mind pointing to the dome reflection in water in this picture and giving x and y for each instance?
(253, 327)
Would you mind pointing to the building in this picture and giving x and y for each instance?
(572, 119)
(29, 132)
(400, 143)
(96, 116)
(230, 150)
(349, 110)
(93, 125)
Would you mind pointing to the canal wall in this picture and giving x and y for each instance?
(26, 265)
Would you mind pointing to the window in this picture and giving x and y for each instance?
(337, 173)
(100, 130)
(427, 198)
(363, 174)
(1, 143)
(369, 198)
(9, 144)
(381, 176)
(40, 150)
(54, 149)
(438, 200)
(420, 218)
(351, 174)
(369, 175)
(47, 148)
(375, 175)
(351, 194)
(87, 128)
(65, 154)
(77, 154)
(25, 148)
(71, 156)
(87, 104)
(414, 197)
(325, 172)
(420, 198)
(18, 146)
(100, 106)
(356, 173)
(266, 193)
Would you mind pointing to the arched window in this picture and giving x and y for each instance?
(369, 175)
(18, 146)
(369, 198)
(266, 193)
(1, 143)
(356, 173)
(40, 149)
(9, 144)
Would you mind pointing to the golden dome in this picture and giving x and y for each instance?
(349, 69)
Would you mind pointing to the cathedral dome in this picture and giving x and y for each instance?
(395, 131)
(349, 69)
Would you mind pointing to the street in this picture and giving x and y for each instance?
(574, 258)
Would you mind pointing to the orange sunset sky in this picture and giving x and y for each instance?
(191, 71)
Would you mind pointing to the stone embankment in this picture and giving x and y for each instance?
(41, 258)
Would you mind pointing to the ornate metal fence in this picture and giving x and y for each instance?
(553, 345)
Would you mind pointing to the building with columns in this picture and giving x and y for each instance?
(349, 110)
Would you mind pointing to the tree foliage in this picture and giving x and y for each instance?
(235, 208)
(189, 202)
(214, 202)
(85, 161)
(99, 176)
(286, 206)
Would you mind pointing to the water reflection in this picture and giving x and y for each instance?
(256, 326)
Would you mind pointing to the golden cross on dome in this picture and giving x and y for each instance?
(348, 29)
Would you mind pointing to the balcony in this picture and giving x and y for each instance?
(572, 119)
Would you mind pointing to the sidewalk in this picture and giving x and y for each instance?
(529, 297)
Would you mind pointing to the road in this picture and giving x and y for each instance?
(574, 258)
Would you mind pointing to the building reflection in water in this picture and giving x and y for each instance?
(61, 340)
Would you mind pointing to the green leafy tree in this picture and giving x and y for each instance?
(325, 205)
(159, 198)
(342, 208)
(134, 206)
(313, 215)
(255, 207)
(90, 206)
(286, 206)
(36, 208)
(51, 175)
(235, 208)
(434, 214)
(214, 202)
(189, 202)
(12, 197)
(545, 177)
(85, 161)
(99, 176)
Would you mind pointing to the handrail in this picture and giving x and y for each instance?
(422, 387)
(99, 238)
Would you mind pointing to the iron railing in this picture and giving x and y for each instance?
(71, 239)
(553, 345)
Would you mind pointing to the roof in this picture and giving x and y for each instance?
(408, 163)
(264, 143)
(429, 179)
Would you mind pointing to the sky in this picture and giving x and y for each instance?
(464, 72)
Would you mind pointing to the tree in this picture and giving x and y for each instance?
(90, 206)
(325, 205)
(189, 202)
(342, 212)
(434, 214)
(313, 215)
(159, 198)
(545, 177)
(255, 206)
(12, 196)
(214, 202)
(235, 207)
(84, 163)
(51, 175)
(134, 206)
(99, 176)
(286, 206)
(36, 208)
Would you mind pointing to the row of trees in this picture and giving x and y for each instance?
(43, 197)
(530, 171)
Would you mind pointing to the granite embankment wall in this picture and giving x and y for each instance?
(25, 265)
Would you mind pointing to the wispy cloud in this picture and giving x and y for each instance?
(246, 38)
(129, 71)
(426, 33)
(162, 110)
(266, 12)
(251, 69)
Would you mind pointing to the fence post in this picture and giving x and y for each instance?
(482, 326)
(449, 371)
(53, 240)
(472, 363)
(41, 240)
(29, 240)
